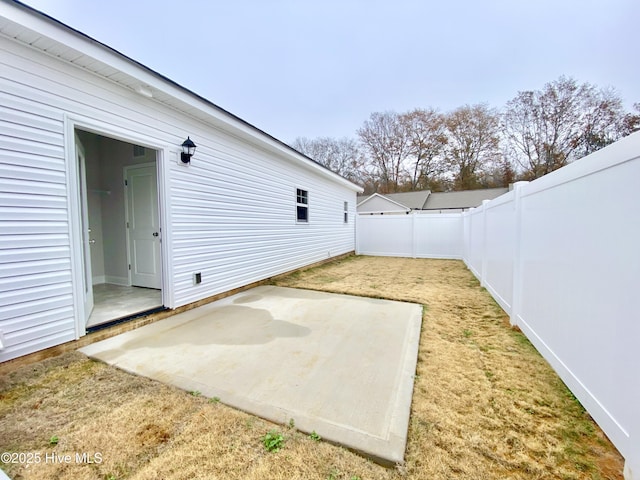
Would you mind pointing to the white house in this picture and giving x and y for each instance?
(425, 201)
(97, 204)
(378, 204)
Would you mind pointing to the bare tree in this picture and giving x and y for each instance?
(387, 144)
(500, 174)
(470, 148)
(426, 132)
(342, 155)
(630, 122)
(473, 141)
(601, 118)
(549, 128)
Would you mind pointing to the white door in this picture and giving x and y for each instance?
(85, 231)
(143, 226)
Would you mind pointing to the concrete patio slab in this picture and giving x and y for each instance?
(339, 365)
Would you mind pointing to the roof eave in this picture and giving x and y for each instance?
(56, 31)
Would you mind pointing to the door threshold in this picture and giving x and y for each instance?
(127, 318)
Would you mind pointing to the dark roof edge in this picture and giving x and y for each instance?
(172, 82)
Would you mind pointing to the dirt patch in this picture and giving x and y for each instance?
(485, 404)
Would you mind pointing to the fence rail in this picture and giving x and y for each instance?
(561, 255)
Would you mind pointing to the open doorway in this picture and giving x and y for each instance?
(120, 227)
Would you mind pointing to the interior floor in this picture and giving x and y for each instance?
(111, 302)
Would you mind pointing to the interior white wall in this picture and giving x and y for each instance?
(95, 194)
(114, 156)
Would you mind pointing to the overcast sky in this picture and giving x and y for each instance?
(299, 68)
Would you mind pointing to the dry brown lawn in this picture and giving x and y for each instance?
(485, 404)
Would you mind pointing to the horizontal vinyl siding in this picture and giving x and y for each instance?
(37, 307)
(36, 303)
(231, 212)
(234, 219)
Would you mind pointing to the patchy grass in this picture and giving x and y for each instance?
(273, 441)
(485, 404)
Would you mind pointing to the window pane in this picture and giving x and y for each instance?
(302, 214)
(138, 151)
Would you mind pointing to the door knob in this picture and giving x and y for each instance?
(92, 241)
(155, 234)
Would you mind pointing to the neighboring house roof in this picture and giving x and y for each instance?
(413, 200)
(426, 200)
(43, 32)
(377, 203)
(409, 200)
(462, 199)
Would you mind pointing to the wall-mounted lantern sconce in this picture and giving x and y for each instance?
(188, 149)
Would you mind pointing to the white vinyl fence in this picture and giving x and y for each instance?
(414, 235)
(561, 255)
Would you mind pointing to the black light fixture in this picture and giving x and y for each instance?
(188, 149)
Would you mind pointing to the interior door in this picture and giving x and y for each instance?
(86, 231)
(143, 225)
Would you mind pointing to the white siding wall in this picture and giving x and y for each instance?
(231, 212)
(234, 220)
(36, 303)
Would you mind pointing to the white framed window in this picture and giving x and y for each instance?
(302, 205)
(346, 212)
